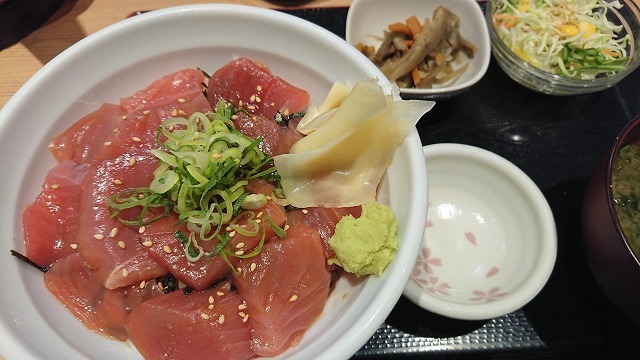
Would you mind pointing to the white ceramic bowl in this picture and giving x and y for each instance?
(127, 56)
(490, 239)
(367, 19)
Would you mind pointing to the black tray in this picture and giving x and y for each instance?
(557, 142)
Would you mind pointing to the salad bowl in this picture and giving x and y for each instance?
(518, 62)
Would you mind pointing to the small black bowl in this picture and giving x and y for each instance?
(18, 18)
(614, 265)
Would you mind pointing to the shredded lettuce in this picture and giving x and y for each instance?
(570, 38)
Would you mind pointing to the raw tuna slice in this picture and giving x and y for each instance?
(285, 289)
(83, 139)
(99, 309)
(260, 92)
(200, 274)
(111, 249)
(180, 86)
(50, 224)
(324, 220)
(137, 132)
(276, 139)
(201, 325)
(124, 162)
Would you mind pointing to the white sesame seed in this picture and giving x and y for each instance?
(142, 229)
(167, 249)
(251, 107)
(293, 297)
(113, 232)
(74, 246)
(146, 112)
(232, 234)
(204, 316)
(252, 98)
(181, 100)
(211, 299)
(260, 214)
(132, 161)
(221, 319)
(181, 112)
(253, 266)
(259, 88)
(55, 186)
(210, 307)
(242, 314)
(219, 293)
(143, 283)
(174, 112)
(115, 130)
(242, 306)
(239, 252)
(125, 272)
(258, 221)
(240, 245)
(124, 117)
(258, 99)
(147, 243)
(234, 117)
(286, 227)
(136, 139)
(117, 182)
(240, 103)
(244, 319)
(107, 143)
(305, 211)
(98, 236)
(122, 244)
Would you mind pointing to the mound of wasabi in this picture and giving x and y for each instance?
(367, 244)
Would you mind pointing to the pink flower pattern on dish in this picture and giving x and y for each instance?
(471, 237)
(432, 285)
(492, 295)
(425, 261)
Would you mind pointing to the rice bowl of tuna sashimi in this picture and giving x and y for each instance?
(113, 144)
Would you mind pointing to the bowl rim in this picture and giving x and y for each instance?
(545, 263)
(497, 45)
(622, 139)
(378, 306)
(476, 11)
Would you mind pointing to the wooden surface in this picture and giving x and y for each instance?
(78, 18)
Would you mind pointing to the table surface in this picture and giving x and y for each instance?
(78, 18)
(557, 141)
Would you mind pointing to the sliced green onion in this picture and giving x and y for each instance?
(204, 164)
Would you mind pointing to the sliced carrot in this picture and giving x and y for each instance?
(415, 76)
(403, 28)
(414, 25)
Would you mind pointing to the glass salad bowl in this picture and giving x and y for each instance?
(626, 17)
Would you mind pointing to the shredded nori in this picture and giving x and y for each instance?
(25, 259)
